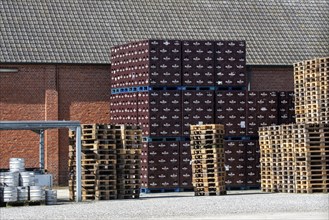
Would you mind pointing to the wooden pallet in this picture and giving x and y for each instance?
(213, 142)
(201, 193)
(207, 127)
(312, 190)
(128, 191)
(96, 126)
(23, 203)
(97, 136)
(128, 196)
(107, 192)
(128, 157)
(99, 144)
(208, 184)
(196, 146)
(216, 137)
(127, 161)
(95, 154)
(124, 185)
(129, 151)
(205, 179)
(132, 166)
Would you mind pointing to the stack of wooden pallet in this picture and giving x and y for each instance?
(270, 145)
(98, 160)
(109, 160)
(128, 161)
(311, 80)
(295, 157)
(312, 158)
(208, 168)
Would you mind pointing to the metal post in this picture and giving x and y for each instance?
(42, 150)
(78, 164)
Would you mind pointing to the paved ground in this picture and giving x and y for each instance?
(236, 205)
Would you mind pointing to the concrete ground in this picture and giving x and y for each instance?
(250, 204)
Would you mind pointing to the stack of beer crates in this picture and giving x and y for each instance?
(295, 157)
(242, 113)
(208, 159)
(167, 85)
(109, 159)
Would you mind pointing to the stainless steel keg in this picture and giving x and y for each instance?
(51, 197)
(26, 178)
(10, 194)
(22, 193)
(10, 178)
(17, 164)
(37, 193)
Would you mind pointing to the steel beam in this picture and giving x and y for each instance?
(42, 150)
(78, 163)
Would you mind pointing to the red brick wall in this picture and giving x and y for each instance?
(22, 97)
(84, 94)
(50, 92)
(271, 78)
(51, 113)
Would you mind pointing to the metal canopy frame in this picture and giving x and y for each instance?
(39, 127)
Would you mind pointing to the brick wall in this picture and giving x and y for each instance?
(22, 97)
(84, 94)
(271, 78)
(74, 92)
(50, 92)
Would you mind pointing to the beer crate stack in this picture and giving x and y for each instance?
(242, 113)
(208, 159)
(110, 159)
(303, 148)
(165, 86)
(286, 107)
(160, 167)
(98, 161)
(128, 161)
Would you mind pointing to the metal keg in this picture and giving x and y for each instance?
(26, 178)
(17, 164)
(22, 193)
(1, 194)
(51, 197)
(10, 178)
(2, 178)
(37, 193)
(10, 194)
